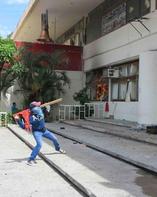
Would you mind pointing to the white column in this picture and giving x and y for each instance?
(153, 5)
(147, 111)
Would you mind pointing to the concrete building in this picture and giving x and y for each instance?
(119, 49)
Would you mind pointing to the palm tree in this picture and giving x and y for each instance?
(39, 80)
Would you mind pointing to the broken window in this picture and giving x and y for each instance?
(125, 87)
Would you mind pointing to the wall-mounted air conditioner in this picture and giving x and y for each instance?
(113, 73)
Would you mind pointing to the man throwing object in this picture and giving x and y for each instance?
(39, 130)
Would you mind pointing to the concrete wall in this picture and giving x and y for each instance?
(148, 88)
(7, 100)
(117, 110)
(124, 110)
(77, 79)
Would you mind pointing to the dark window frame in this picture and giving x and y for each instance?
(141, 11)
(125, 78)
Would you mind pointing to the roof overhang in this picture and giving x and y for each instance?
(63, 14)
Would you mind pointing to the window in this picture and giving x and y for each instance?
(115, 91)
(125, 87)
(75, 35)
(122, 90)
(137, 8)
(114, 19)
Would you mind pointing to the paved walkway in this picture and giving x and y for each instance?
(17, 179)
(141, 154)
(89, 168)
(91, 174)
(125, 129)
(116, 122)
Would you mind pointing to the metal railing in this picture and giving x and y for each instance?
(96, 110)
(73, 112)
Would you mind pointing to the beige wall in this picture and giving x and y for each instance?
(77, 83)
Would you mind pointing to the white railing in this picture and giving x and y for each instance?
(73, 112)
(3, 119)
(96, 110)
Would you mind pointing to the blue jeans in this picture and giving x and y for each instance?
(38, 138)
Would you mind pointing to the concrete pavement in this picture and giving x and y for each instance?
(100, 174)
(141, 154)
(125, 129)
(90, 176)
(17, 179)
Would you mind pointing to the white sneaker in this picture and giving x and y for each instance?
(62, 151)
(31, 162)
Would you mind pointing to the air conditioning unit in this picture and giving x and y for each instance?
(113, 73)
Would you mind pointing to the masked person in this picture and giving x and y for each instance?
(39, 131)
(14, 108)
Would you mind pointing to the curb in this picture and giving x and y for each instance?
(111, 123)
(109, 133)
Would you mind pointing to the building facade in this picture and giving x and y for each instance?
(119, 51)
